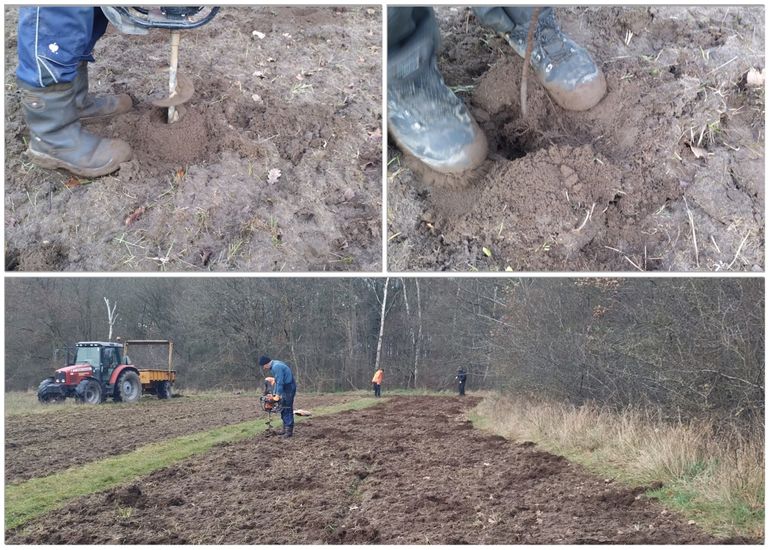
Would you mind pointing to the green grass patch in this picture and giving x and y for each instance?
(29, 499)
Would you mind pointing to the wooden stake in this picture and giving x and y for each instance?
(527, 56)
(173, 116)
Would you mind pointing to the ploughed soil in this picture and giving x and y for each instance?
(275, 166)
(42, 444)
(666, 173)
(410, 470)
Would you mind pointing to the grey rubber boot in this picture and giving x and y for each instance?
(92, 106)
(57, 139)
(289, 431)
(425, 118)
(564, 68)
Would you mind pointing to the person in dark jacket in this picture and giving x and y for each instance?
(461, 376)
(285, 388)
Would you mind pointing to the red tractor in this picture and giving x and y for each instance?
(102, 370)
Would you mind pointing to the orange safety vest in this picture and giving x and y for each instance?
(377, 377)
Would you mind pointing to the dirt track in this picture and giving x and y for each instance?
(612, 188)
(411, 470)
(302, 101)
(41, 444)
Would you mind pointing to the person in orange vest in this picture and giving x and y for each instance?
(377, 383)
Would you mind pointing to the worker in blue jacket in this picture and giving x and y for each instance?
(285, 388)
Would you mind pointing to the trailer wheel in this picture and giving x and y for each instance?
(89, 391)
(129, 387)
(164, 390)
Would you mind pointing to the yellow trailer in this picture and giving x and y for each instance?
(155, 381)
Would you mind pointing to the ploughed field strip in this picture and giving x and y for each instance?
(410, 470)
(37, 445)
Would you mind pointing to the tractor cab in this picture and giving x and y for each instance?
(103, 357)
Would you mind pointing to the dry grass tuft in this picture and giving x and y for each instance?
(719, 479)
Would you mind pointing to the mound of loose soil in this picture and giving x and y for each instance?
(408, 471)
(41, 444)
(275, 165)
(676, 145)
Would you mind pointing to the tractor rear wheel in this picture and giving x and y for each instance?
(89, 391)
(164, 390)
(129, 387)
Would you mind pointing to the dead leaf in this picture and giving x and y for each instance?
(72, 182)
(135, 215)
(273, 175)
(755, 78)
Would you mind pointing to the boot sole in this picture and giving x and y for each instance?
(47, 161)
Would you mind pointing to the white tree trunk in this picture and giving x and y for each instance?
(382, 324)
(419, 331)
(111, 317)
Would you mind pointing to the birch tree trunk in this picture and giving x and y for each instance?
(382, 324)
(111, 317)
(419, 331)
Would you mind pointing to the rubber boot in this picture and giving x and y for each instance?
(289, 431)
(91, 106)
(425, 118)
(57, 139)
(282, 431)
(564, 68)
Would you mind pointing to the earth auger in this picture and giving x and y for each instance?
(139, 20)
(270, 404)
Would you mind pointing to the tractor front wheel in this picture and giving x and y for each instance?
(129, 387)
(43, 396)
(164, 390)
(89, 391)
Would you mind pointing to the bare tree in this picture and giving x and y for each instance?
(382, 323)
(111, 317)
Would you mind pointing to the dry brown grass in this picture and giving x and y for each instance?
(717, 479)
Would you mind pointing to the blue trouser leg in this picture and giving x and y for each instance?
(52, 42)
(287, 413)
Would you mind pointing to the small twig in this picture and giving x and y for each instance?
(737, 252)
(694, 238)
(527, 56)
(588, 217)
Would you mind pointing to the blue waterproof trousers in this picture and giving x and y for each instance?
(287, 413)
(52, 42)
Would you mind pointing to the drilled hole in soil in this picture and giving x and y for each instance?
(184, 142)
(516, 144)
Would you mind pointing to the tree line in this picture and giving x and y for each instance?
(687, 346)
